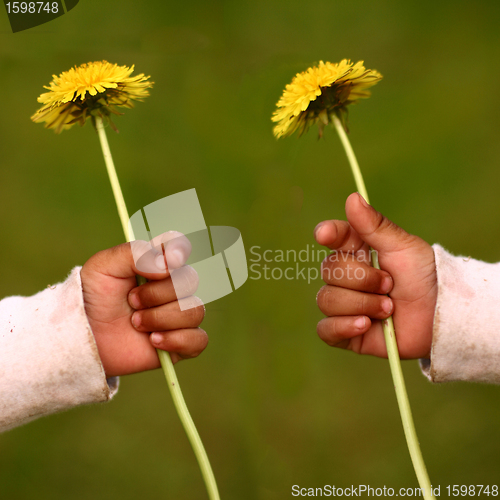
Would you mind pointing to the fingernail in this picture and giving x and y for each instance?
(178, 258)
(136, 319)
(160, 262)
(387, 305)
(360, 322)
(317, 229)
(363, 201)
(156, 338)
(133, 300)
(386, 285)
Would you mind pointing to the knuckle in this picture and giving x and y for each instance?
(189, 281)
(199, 314)
(382, 224)
(152, 317)
(149, 294)
(362, 304)
(379, 222)
(204, 337)
(193, 278)
(367, 280)
(329, 260)
(323, 297)
(371, 280)
(327, 270)
(203, 343)
(342, 239)
(340, 270)
(405, 238)
(325, 330)
(195, 315)
(320, 294)
(329, 333)
(332, 271)
(148, 319)
(192, 347)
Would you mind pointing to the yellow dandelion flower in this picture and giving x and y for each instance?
(90, 90)
(314, 95)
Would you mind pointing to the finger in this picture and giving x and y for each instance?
(338, 235)
(338, 331)
(378, 231)
(186, 343)
(170, 316)
(336, 301)
(344, 270)
(155, 293)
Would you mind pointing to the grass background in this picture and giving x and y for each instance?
(274, 405)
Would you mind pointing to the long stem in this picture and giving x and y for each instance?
(115, 183)
(166, 361)
(391, 343)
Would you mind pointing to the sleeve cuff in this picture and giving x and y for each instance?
(465, 338)
(49, 358)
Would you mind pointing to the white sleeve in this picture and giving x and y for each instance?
(465, 337)
(49, 360)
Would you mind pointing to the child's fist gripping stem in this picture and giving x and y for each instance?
(130, 321)
(357, 297)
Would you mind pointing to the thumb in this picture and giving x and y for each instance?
(163, 253)
(153, 260)
(375, 229)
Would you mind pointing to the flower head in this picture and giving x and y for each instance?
(89, 90)
(314, 95)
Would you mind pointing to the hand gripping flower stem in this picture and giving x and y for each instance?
(166, 361)
(390, 340)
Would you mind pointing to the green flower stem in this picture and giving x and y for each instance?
(115, 183)
(392, 346)
(166, 361)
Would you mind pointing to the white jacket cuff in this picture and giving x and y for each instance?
(465, 337)
(49, 360)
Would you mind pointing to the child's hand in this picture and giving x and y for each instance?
(354, 296)
(122, 315)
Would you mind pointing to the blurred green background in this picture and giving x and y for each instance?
(274, 405)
